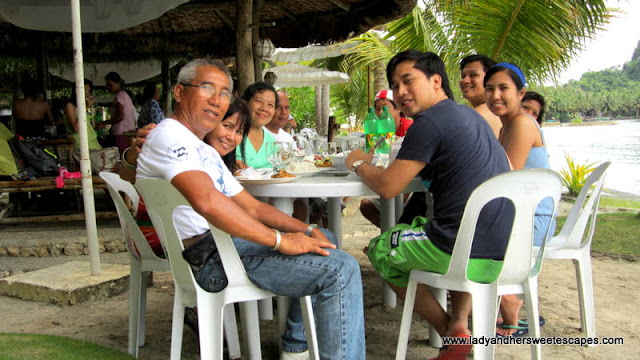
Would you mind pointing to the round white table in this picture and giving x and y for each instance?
(333, 188)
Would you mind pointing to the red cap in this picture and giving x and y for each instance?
(384, 94)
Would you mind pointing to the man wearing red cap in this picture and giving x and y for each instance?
(385, 98)
(414, 205)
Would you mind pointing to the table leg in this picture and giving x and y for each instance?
(283, 204)
(387, 221)
(335, 219)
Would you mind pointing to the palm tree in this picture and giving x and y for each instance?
(541, 36)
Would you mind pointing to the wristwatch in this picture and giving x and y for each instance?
(356, 164)
(310, 229)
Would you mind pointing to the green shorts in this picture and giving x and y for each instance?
(406, 247)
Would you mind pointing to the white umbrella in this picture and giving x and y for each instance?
(296, 75)
(310, 52)
(132, 72)
(97, 16)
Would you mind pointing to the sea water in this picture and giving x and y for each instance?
(618, 143)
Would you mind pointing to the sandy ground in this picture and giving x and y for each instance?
(105, 321)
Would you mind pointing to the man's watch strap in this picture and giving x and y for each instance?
(356, 164)
(310, 229)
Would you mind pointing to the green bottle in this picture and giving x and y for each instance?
(370, 128)
(385, 127)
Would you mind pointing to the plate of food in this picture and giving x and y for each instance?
(323, 162)
(276, 178)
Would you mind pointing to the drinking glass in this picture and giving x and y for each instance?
(285, 152)
(331, 148)
(273, 155)
(319, 146)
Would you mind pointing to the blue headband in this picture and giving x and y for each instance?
(515, 69)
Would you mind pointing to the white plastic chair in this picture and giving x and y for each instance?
(309, 133)
(143, 260)
(525, 188)
(161, 199)
(572, 243)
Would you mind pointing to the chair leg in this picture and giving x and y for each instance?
(435, 340)
(210, 328)
(177, 325)
(310, 327)
(405, 323)
(135, 288)
(484, 314)
(585, 295)
(143, 307)
(283, 311)
(231, 332)
(265, 308)
(251, 328)
(531, 302)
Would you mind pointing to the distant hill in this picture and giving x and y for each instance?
(613, 92)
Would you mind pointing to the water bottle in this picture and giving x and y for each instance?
(385, 127)
(370, 129)
(98, 119)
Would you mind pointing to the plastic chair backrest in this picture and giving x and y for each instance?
(574, 227)
(161, 199)
(525, 188)
(309, 133)
(136, 242)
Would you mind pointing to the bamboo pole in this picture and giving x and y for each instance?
(85, 164)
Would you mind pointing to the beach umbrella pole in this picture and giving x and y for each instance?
(85, 164)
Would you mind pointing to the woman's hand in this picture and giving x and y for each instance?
(141, 137)
(299, 243)
(240, 165)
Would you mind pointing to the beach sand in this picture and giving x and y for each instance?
(105, 321)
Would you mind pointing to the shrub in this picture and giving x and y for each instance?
(573, 178)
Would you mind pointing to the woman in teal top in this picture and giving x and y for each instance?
(262, 100)
(71, 119)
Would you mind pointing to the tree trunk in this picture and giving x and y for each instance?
(379, 78)
(255, 36)
(244, 48)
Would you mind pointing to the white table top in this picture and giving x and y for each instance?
(321, 186)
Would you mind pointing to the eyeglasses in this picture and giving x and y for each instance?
(207, 90)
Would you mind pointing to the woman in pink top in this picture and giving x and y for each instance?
(123, 112)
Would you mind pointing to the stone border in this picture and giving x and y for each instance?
(60, 249)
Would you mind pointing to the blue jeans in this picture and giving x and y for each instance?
(333, 282)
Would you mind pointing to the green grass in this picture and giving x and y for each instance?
(619, 203)
(33, 346)
(617, 234)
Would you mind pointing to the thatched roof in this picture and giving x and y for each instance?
(202, 27)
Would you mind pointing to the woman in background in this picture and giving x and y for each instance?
(150, 111)
(534, 105)
(31, 113)
(123, 112)
(71, 117)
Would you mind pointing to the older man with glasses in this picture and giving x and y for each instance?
(280, 254)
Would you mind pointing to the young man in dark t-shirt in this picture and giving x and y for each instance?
(453, 147)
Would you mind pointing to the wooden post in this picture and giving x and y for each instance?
(244, 45)
(166, 87)
(43, 66)
(255, 36)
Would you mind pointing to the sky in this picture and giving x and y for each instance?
(612, 46)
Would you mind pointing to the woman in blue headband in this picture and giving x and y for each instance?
(521, 138)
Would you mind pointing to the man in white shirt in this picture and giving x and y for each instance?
(280, 119)
(298, 262)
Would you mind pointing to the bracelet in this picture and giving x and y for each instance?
(278, 241)
(124, 159)
(310, 229)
